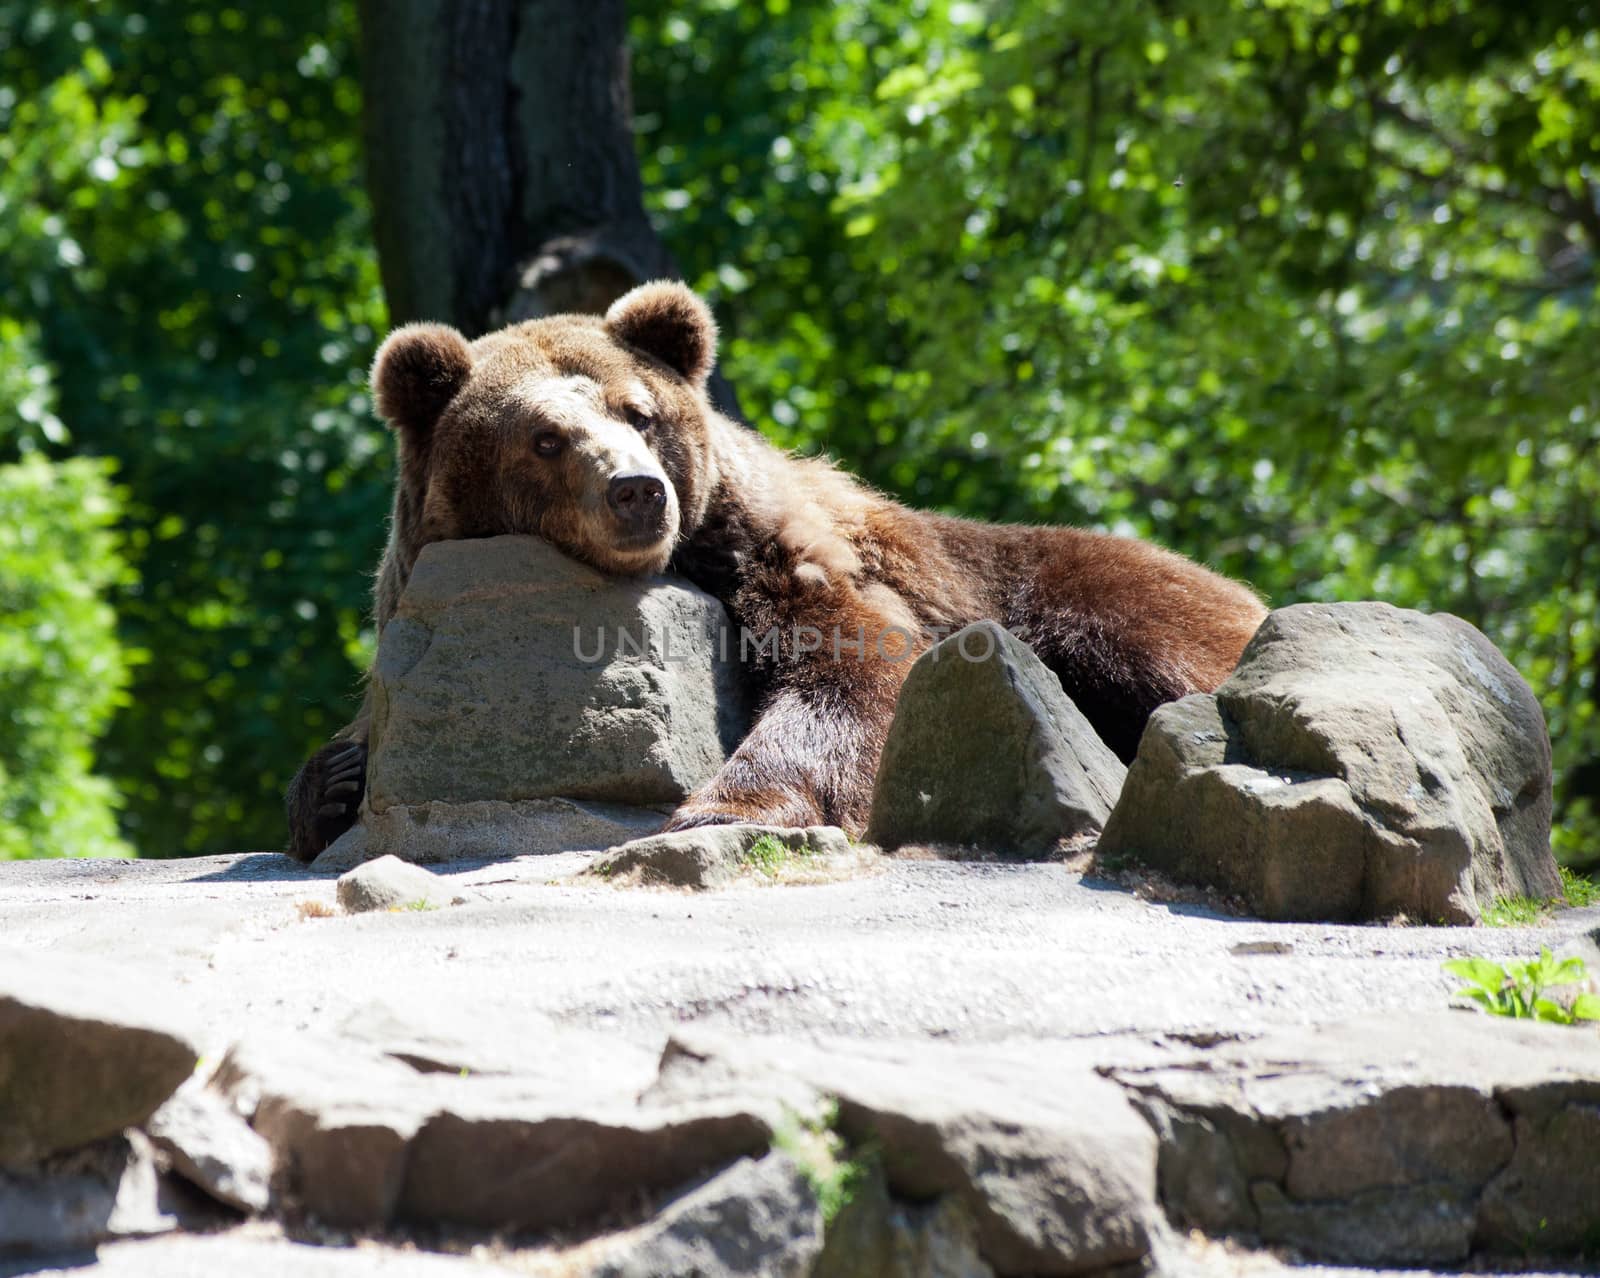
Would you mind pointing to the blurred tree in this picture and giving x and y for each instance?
(500, 161)
(185, 237)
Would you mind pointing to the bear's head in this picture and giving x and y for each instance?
(591, 433)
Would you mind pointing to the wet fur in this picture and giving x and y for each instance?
(783, 542)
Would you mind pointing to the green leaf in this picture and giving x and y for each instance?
(1545, 1009)
(1586, 1007)
(1490, 977)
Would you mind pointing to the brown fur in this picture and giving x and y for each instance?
(793, 547)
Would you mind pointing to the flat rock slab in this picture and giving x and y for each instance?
(717, 855)
(1048, 1074)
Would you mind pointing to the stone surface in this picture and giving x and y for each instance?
(986, 750)
(759, 1217)
(338, 1117)
(444, 833)
(716, 855)
(499, 1160)
(107, 1190)
(1057, 1180)
(510, 671)
(978, 1015)
(1362, 762)
(254, 1251)
(1387, 1142)
(211, 1147)
(86, 1049)
(389, 883)
(877, 1236)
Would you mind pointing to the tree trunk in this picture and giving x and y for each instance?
(500, 161)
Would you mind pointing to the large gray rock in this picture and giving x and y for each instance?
(359, 1139)
(1377, 1142)
(759, 1217)
(86, 1049)
(1362, 762)
(514, 676)
(987, 750)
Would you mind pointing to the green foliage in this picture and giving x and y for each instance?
(1525, 911)
(1519, 990)
(1515, 911)
(185, 239)
(824, 1158)
(1580, 890)
(1305, 290)
(767, 854)
(62, 671)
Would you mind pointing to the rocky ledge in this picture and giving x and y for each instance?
(232, 1065)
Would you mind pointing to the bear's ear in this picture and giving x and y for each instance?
(416, 374)
(666, 320)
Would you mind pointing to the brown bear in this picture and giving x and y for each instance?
(597, 435)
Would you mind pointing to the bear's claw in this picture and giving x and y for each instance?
(325, 797)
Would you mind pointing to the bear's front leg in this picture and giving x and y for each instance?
(325, 796)
(810, 758)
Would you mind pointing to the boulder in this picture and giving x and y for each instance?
(1361, 762)
(987, 750)
(86, 1049)
(338, 1120)
(514, 676)
(392, 884)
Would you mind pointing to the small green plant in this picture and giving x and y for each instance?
(1527, 911)
(419, 906)
(1515, 911)
(1519, 989)
(766, 854)
(822, 1155)
(1580, 889)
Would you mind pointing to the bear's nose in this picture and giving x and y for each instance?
(636, 497)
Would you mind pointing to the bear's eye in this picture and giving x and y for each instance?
(548, 443)
(639, 418)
